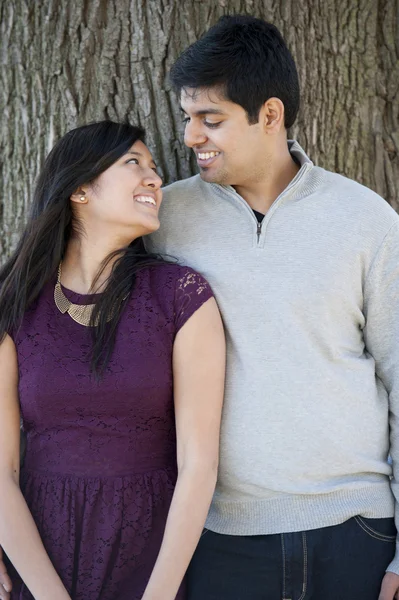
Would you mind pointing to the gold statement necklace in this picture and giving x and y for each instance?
(81, 313)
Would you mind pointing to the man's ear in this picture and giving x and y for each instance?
(79, 196)
(272, 115)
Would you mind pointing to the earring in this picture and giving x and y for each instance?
(82, 198)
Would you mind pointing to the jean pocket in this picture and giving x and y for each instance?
(383, 530)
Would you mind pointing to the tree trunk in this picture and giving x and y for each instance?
(68, 62)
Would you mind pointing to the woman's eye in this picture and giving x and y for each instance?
(212, 125)
(134, 160)
(186, 120)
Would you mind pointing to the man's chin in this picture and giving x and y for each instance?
(211, 176)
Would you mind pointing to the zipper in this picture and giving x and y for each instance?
(294, 183)
(259, 230)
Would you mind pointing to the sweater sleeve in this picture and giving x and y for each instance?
(381, 335)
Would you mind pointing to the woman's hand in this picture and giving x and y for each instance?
(5, 581)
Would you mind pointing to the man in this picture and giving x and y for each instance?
(305, 267)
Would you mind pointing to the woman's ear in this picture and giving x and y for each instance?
(79, 197)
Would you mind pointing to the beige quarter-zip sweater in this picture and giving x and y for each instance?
(310, 302)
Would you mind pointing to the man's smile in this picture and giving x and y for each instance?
(205, 159)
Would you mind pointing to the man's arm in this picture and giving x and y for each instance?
(381, 335)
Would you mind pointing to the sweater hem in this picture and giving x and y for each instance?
(292, 513)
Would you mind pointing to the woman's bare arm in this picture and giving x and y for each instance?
(199, 372)
(18, 533)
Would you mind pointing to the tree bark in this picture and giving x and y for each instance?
(68, 62)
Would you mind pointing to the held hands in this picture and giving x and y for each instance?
(5, 581)
(389, 587)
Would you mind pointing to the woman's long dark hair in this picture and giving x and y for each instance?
(77, 159)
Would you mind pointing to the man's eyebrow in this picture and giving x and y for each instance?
(205, 111)
(140, 155)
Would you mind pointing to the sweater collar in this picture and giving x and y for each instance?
(296, 151)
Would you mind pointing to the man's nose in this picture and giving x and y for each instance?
(194, 135)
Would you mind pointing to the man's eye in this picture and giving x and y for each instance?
(212, 125)
(134, 160)
(186, 120)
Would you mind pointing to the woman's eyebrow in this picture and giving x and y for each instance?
(141, 156)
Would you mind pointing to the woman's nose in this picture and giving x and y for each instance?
(153, 181)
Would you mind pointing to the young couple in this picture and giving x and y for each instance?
(116, 358)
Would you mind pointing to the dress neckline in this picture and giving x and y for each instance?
(75, 297)
(80, 298)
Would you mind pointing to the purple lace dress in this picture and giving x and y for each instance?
(100, 466)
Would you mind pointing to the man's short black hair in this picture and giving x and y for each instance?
(248, 59)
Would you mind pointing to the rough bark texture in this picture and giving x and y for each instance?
(67, 62)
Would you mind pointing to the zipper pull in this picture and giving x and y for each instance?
(259, 230)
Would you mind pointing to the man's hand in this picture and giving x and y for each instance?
(389, 587)
(5, 581)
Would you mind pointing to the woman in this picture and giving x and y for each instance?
(116, 360)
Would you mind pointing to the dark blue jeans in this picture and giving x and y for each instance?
(343, 562)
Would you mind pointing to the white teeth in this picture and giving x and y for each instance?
(146, 200)
(206, 155)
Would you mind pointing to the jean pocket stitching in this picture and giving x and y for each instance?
(373, 533)
(284, 557)
(305, 566)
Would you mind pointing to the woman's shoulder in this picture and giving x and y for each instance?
(38, 315)
(180, 289)
(177, 276)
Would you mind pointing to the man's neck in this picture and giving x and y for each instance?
(261, 194)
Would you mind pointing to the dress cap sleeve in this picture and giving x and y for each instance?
(192, 291)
